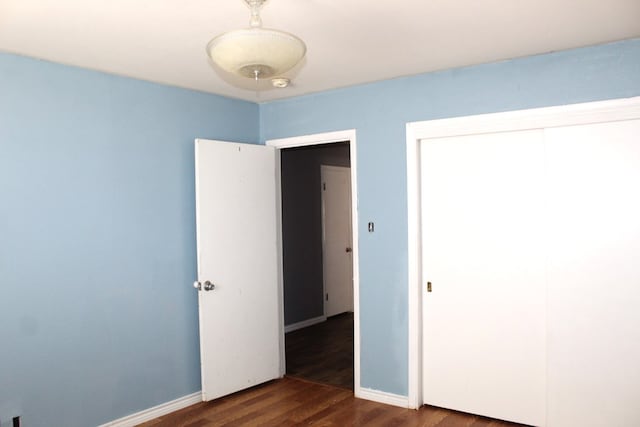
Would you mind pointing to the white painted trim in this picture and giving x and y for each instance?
(383, 397)
(328, 138)
(356, 259)
(314, 139)
(156, 411)
(199, 262)
(305, 323)
(281, 327)
(538, 118)
(414, 367)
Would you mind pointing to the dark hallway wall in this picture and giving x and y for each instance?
(302, 227)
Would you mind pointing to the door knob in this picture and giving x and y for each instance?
(348, 250)
(208, 286)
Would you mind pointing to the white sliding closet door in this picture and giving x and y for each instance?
(593, 184)
(483, 251)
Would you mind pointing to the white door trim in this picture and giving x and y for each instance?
(318, 139)
(565, 115)
(414, 260)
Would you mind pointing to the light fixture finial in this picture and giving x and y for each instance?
(255, 6)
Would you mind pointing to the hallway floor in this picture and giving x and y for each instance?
(323, 352)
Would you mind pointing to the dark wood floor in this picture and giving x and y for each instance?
(296, 402)
(323, 353)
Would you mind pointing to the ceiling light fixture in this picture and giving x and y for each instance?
(256, 52)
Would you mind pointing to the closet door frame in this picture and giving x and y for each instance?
(539, 118)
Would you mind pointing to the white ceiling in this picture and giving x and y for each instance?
(348, 41)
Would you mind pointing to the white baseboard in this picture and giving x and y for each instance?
(156, 411)
(304, 323)
(382, 397)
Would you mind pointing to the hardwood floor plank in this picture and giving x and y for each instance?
(355, 412)
(456, 420)
(277, 409)
(266, 402)
(428, 416)
(323, 352)
(199, 423)
(309, 406)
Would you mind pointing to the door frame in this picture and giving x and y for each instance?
(564, 115)
(320, 139)
(324, 168)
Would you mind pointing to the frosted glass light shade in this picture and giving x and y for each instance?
(256, 52)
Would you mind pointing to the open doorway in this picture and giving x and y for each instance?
(317, 263)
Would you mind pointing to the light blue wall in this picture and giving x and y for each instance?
(97, 240)
(97, 234)
(379, 112)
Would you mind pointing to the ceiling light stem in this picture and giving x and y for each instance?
(255, 6)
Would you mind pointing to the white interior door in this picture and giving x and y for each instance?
(483, 252)
(337, 246)
(594, 274)
(238, 253)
